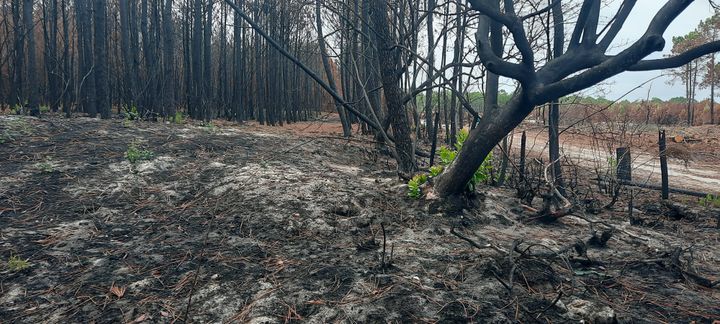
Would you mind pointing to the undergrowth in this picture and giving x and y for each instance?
(447, 156)
(710, 201)
(134, 153)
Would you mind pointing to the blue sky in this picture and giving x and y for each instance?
(634, 28)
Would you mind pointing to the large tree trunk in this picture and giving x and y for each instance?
(125, 48)
(347, 131)
(554, 111)
(51, 60)
(207, 61)
(457, 59)
(197, 106)
(67, 93)
(481, 141)
(16, 86)
(430, 71)
(33, 86)
(712, 88)
(389, 62)
(86, 79)
(168, 89)
(238, 67)
(101, 59)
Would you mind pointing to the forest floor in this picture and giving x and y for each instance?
(243, 223)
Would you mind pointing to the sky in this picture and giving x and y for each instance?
(634, 28)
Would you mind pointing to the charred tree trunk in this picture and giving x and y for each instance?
(347, 131)
(101, 59)
(17, 92)
(168, 82)
(52, 66)
(430, 72)
(388, 60)
(554, 112)
(33, 86)
(67, 71)
(86, 79)
(197, 106)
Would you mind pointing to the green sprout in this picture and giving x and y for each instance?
(16, 264)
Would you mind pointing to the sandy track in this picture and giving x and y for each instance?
(702, 177)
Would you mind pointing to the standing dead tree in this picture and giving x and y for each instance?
(583, 64)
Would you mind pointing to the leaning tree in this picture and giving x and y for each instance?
(584, 63)
(581, 63)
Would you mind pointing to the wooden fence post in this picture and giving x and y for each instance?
(523, 144)
(664, 166)
(624, 164)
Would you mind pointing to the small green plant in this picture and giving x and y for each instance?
(179, 118)
(16, 264)
(131, 113)
(6, 137)
(447, 155)
(44, 109)
(710, 201)
(436, 170)
(414, 184)
(134, 153)
(46, 166)
(18, 109)
(209, 127)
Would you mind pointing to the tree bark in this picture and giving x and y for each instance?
(33, 86)
(101, 59)
(347, 131)
(168, 89)
(554, 111)
(431, 64)
(489, 131)
(388, 60)
(16, 87)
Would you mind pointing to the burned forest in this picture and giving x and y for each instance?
(359, 161)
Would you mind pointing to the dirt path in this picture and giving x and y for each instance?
(248, 224)
(703, 177)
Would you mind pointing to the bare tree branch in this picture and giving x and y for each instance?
(678, 60)
(617, 23)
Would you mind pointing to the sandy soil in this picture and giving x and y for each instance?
(244, 223)
(701, 174)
